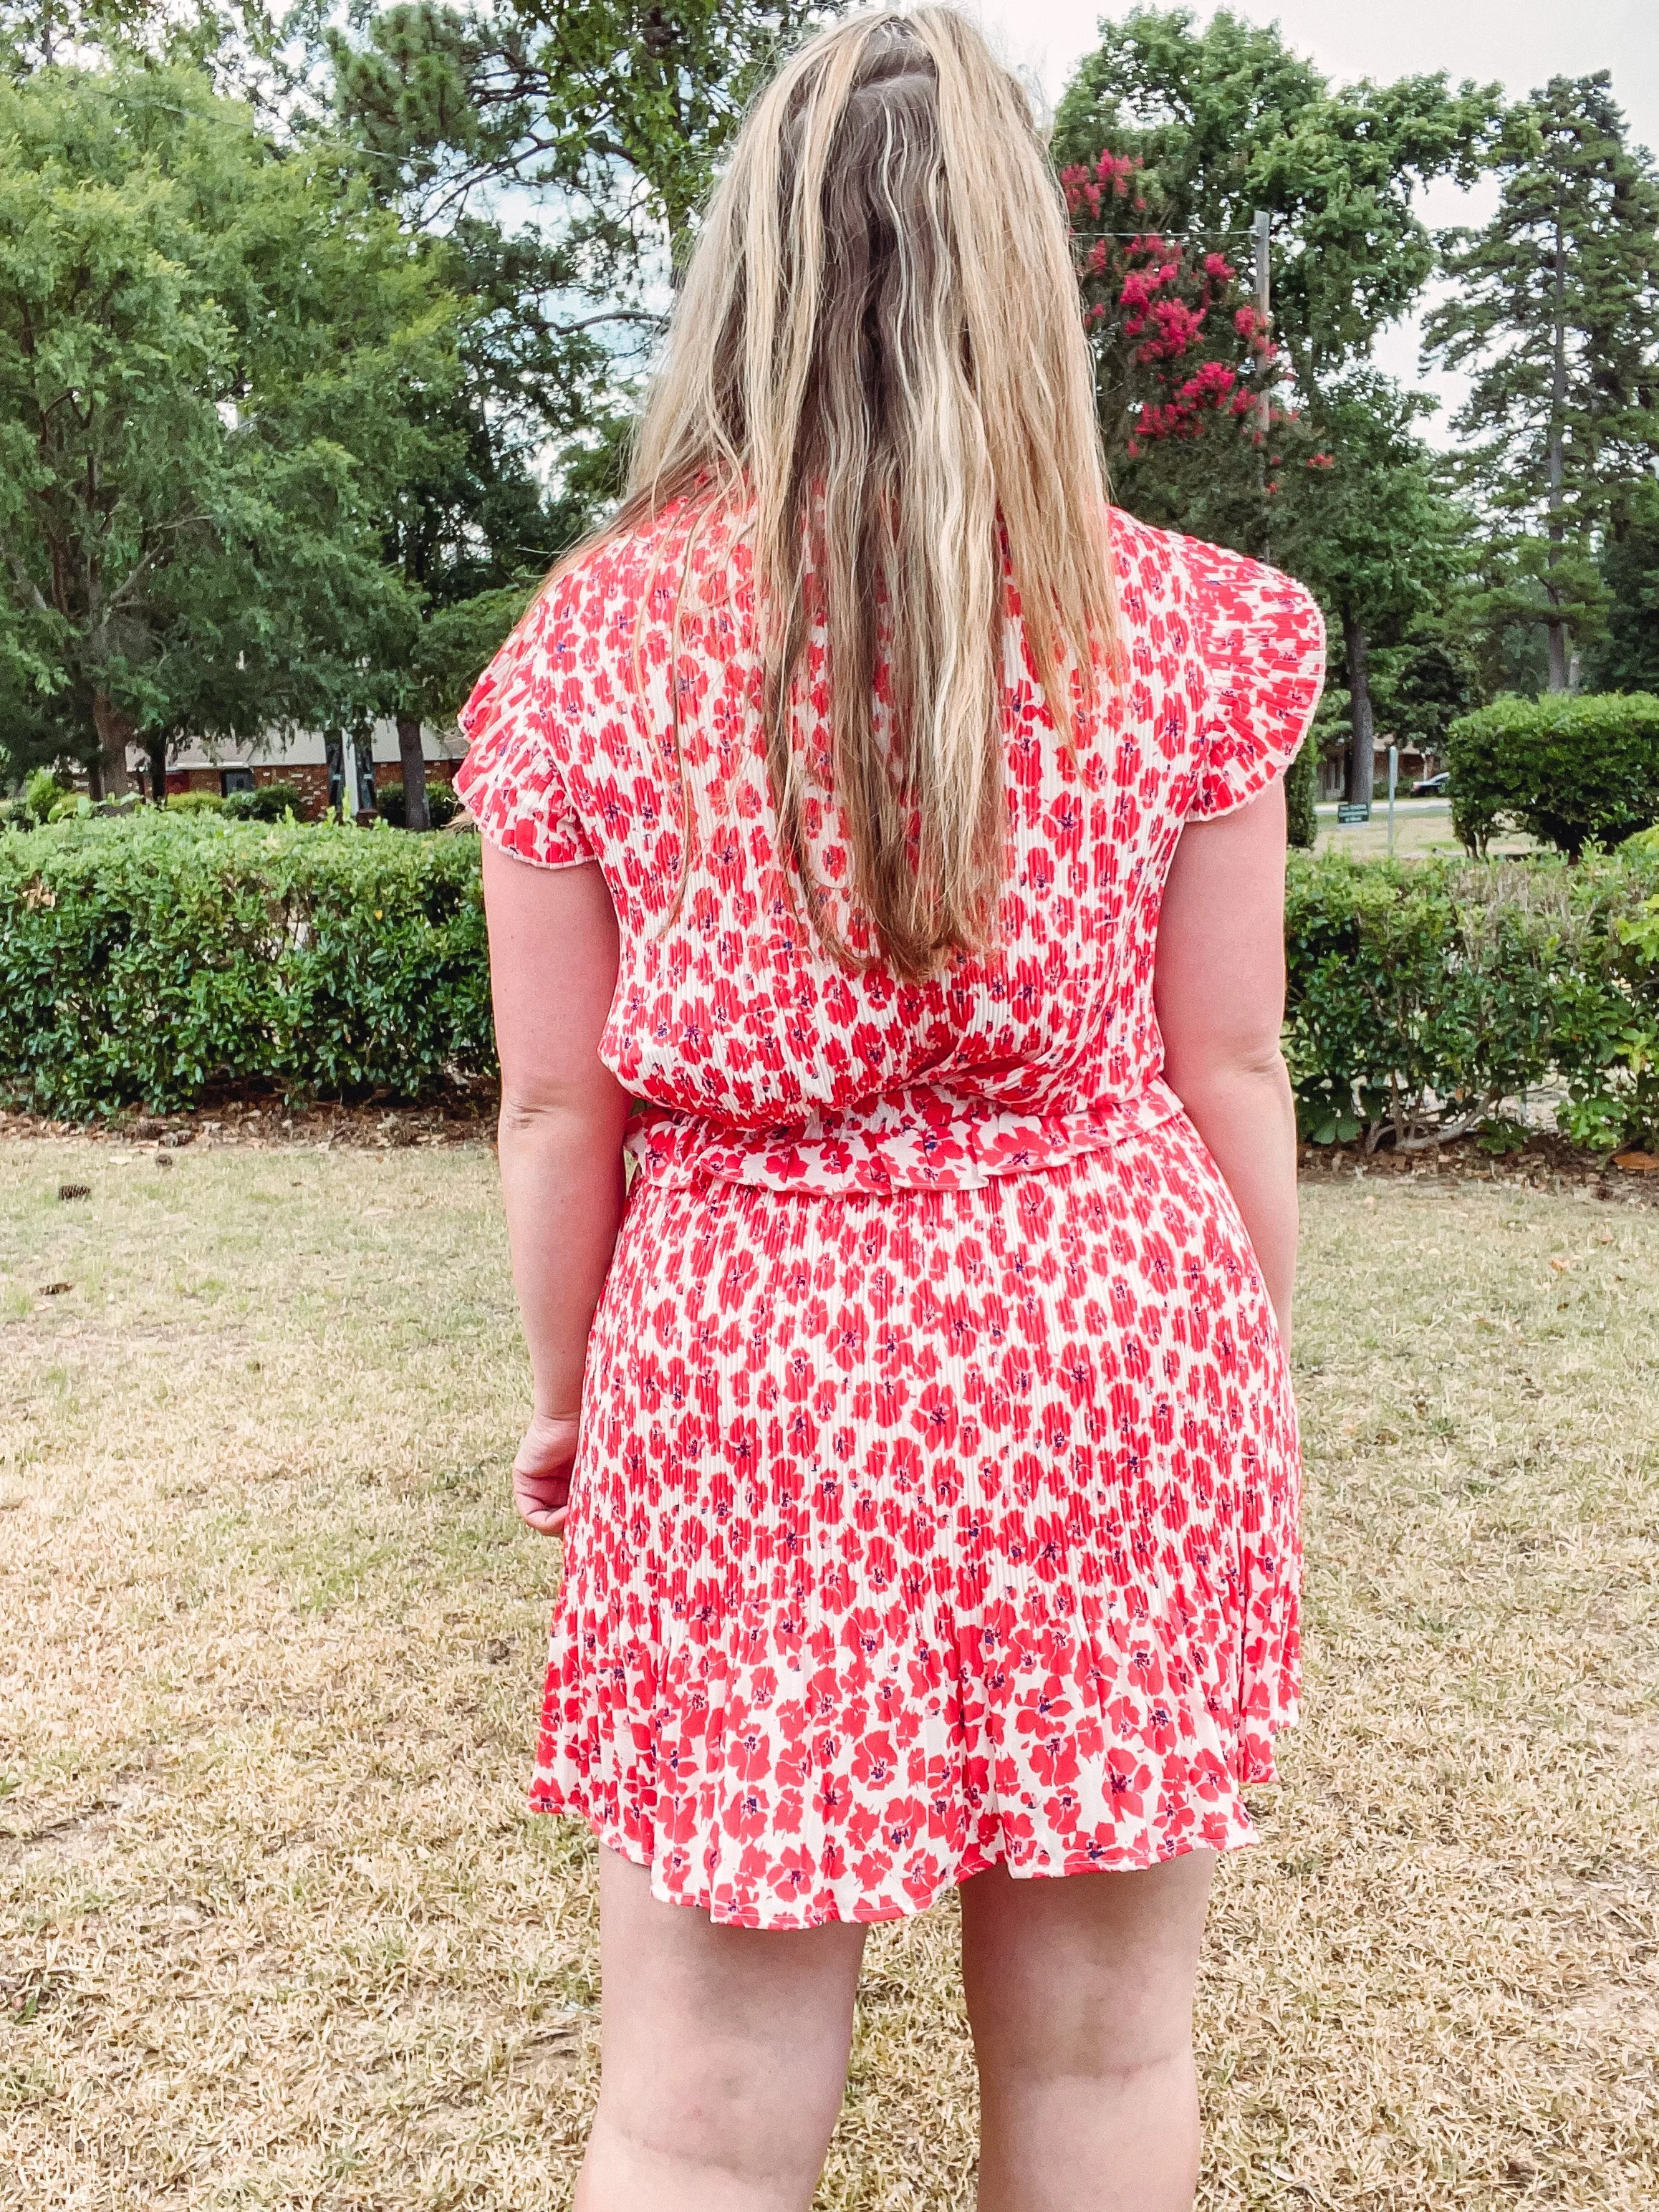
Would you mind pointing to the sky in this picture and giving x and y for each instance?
(1516, 43)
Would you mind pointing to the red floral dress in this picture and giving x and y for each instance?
(936, 1500)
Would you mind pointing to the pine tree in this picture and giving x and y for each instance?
(1555, 314)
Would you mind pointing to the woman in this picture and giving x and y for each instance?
(900, 828)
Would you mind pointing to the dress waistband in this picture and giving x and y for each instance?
(920, 1141)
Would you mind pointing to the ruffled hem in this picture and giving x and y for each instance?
(782, 1781)
(832, 1907)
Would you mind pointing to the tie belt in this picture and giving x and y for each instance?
(913, 1141)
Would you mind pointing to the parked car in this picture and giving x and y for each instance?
(1432, 787)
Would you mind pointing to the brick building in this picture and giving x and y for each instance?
(316, 766)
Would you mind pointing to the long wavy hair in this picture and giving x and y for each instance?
(877, 349)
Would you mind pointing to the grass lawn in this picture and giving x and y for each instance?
(275, 1930)
(1422, 829)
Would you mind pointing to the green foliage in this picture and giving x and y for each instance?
(146, 961)
(194, 802)
(1301, 797)
(1423, 996)
(1627, 659)
(1569, 769)
(1227, 119)
(621, 111)
(266, 802)
(216, 367)
(42, 793)
(1552, 310)
(441, 803)
(151, 959)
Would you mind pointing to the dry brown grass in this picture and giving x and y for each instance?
(275, 1932)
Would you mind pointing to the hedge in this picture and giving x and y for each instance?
(144, 962)
(1423, 996)
(1567, 768)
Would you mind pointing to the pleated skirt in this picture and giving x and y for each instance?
(916, 1533)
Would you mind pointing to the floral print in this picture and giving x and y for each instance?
(936, 1497)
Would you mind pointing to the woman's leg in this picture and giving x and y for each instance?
(724, 2056)
(1080, 1992)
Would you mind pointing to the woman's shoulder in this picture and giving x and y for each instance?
(1221, 590)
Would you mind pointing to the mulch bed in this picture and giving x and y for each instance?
(1545, 1163)
(371, 1125)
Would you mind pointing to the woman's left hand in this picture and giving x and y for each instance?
(541, 1471)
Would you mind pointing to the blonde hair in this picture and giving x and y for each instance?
(878, 349)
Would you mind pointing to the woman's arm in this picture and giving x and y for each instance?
(1219, 991)
(552, 972)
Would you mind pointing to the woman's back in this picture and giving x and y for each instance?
(622, 724)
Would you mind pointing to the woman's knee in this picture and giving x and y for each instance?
(725, 2049)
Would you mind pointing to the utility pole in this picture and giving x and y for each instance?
(1264, 309)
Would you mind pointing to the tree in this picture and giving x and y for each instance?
(213, 366)
(1627, 659)
(1371, 531)
(1173, 139)
(472, 532)
(1555, 314)
(1188, 383)
(1225, 120)
(622, 108)
(608, 118)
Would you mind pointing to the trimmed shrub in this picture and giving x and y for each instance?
(1570, 770)
(442, 805)
(1422, 995)
(266, 802)
(194, 802)
(147, 961)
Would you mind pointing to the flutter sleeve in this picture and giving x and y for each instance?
(519, 723)
(1262, 640)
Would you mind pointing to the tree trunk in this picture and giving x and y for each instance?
(415, 815)
(114, 734)
(1558, 626)
(1362, 745)
(156, 747)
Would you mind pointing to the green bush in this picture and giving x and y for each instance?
(1423, 996)
(1301, 796)
(42, 793)
(442, 805)
(1570, 770)
(266, 802)
(147, 961)
(194, 802)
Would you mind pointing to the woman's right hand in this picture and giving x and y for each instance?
(541, 1471)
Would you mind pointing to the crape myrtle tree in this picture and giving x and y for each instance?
(1170, 138)
(215, 361)
(1554, 315)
